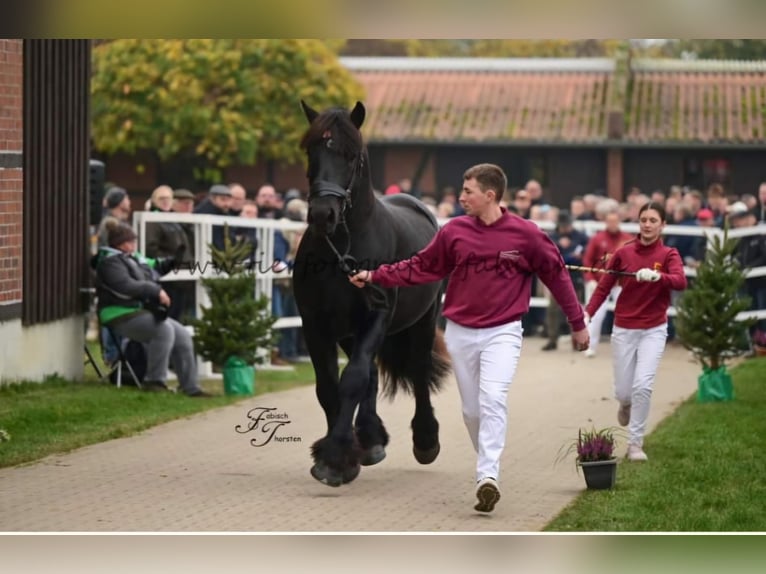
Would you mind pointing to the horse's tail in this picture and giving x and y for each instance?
(403, 361)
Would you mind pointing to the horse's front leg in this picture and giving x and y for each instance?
(340, 453)
(324, 358)
(369, 429)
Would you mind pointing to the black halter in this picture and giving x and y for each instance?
(321, 188)
(374, 295)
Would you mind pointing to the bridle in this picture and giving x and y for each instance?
(321, 188)
(376, 297)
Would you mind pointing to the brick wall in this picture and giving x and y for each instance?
(11, 179)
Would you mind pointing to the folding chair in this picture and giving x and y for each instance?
(116, 366)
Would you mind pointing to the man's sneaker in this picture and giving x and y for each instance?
(590, 353)
(487, 493)
(636, 453)
(623, 415)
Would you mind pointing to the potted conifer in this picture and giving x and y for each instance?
(236, 325)
(706, 320)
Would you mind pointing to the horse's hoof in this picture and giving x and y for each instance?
(349, 474)
(426, 456)
(326, 475)
(373, 455)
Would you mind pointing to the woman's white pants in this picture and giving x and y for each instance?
(484, 362)
(636, 354)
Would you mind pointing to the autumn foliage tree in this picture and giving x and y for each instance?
(204, 105)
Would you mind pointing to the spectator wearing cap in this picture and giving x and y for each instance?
(734, 211)
(116, 207)
(183, 201)
(133, 304)
(217, 202)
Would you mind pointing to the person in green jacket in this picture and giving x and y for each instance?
(133, 304)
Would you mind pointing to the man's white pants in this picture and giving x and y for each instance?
(484, 362)
(594, 327)
(636, 354)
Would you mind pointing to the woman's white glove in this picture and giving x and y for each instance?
(647, 274)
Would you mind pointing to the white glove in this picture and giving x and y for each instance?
(647, 274)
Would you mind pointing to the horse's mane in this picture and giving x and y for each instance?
(345, 135)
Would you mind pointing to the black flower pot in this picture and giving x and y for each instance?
(600, 474)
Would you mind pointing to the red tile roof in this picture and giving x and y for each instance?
(550, 101)
(511, 103)
(697, 102)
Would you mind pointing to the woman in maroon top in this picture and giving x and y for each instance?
(640, 318)
(490, 257)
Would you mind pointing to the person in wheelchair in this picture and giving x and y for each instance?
(132, 303)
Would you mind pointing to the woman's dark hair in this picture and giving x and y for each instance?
(656, 207)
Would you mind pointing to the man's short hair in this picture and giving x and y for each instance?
(488, 176)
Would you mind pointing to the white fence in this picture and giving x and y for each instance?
(264, 275)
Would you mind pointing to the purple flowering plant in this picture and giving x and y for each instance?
(592, 445)
(595, 445)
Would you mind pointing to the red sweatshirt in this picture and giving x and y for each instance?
(601, 244)
(490, 270)
(642, 304)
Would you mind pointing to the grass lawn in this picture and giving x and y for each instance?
(60, 415)
(707, 470)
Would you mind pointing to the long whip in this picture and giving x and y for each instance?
(600, 270)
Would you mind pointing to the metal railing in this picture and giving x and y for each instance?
(264, 275)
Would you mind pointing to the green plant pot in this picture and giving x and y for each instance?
(600, 474)
(238, 377)
(714, 385)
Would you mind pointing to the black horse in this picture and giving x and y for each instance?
(350, 229)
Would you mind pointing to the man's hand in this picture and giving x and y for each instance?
(647, 274)
(360, 278)
(164, 298)
(581, 340)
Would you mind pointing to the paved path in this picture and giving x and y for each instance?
(199, 474)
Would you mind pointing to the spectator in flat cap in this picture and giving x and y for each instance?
(217, 202)
(183, 201)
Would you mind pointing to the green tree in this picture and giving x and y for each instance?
(236, 324)
(706, 321)
(207, 104)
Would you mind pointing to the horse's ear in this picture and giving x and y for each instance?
(310, 112)
(357, 115)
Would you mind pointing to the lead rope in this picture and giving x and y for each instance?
(374, 295)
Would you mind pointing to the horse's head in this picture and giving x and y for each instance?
(335, 152)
